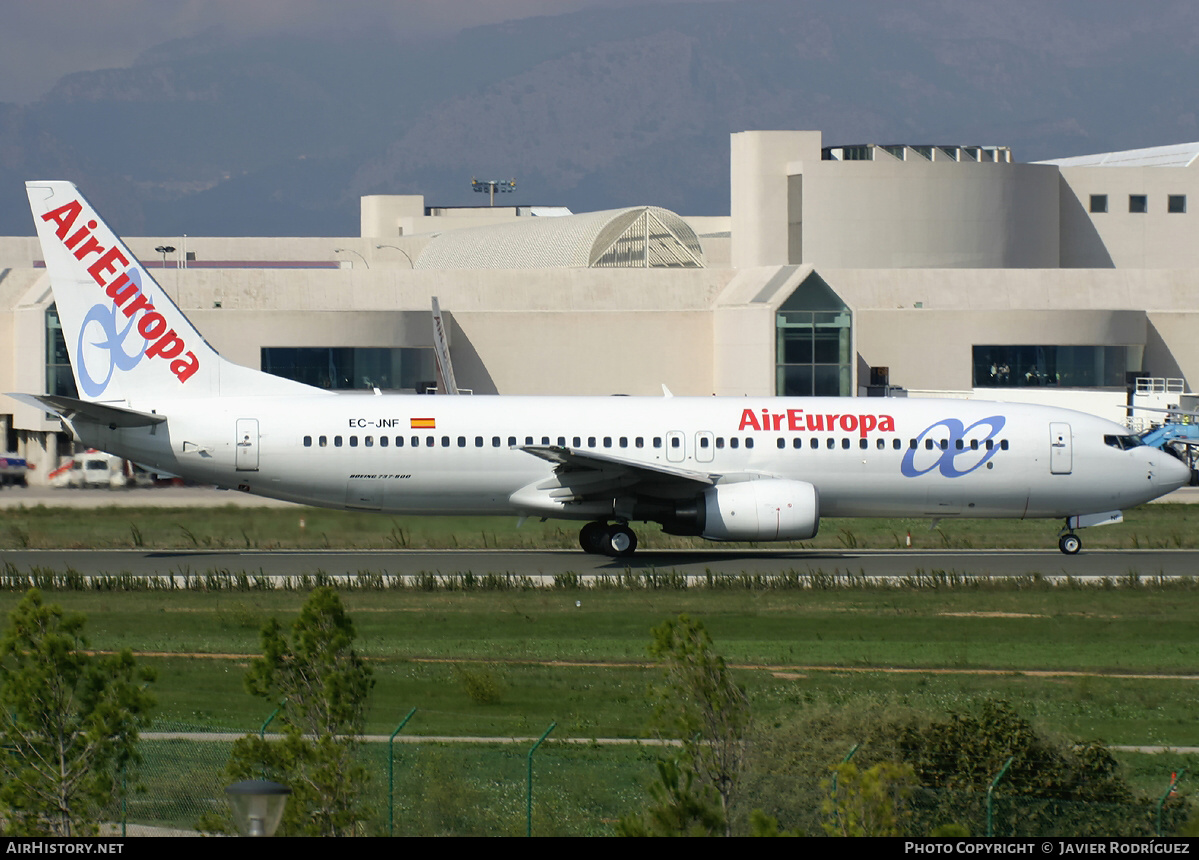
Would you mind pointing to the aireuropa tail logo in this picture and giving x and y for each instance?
(125, 290)
(102, 346)
(956, 450)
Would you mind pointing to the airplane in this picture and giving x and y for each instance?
(727, 469)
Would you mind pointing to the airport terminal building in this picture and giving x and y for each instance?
(926, 270)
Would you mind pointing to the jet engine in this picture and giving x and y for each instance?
(766, 509)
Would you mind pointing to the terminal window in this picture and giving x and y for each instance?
(1176, 204)
(1032, 366)
(348, 367)
(1138, 203)
(1098, 202)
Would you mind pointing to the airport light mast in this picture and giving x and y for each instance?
(492, 186)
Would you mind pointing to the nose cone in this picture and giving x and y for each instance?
(1169, 473)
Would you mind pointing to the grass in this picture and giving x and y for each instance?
(586, 666)
(1161, 526)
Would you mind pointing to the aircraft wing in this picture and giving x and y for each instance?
(97, 413)
(589, 474)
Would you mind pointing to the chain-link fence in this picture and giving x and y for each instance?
(474, 789)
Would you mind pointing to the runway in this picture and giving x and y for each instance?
(544, 565)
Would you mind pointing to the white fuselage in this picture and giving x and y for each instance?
(867, 457)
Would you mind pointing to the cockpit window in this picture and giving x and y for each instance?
(1124, 443)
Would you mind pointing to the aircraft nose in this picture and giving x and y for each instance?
(1170, 473)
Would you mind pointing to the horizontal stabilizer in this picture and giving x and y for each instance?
(97, 413)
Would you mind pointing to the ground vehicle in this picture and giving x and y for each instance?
(12, 470)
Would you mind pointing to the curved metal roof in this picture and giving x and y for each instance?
(641, 236)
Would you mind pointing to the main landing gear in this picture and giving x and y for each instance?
(616, 540)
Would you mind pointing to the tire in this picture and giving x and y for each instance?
(1069, 544)
(622, 541)
(593, 538)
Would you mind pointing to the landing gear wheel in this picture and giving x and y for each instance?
(1070, 544)
(621, 541)
(593, 538)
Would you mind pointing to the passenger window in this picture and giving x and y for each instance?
(577, 442)
(383, 441)
(674, 441)
(399, 441)
(973, 444)
(749, 442)
(928, 444)
(719, 441)
(528, 440)
(814, 443)
(863, 444)
(369, 441)
(561, 441)
(1003, 444)
(896, 444)
(590, 441)
(445, 441)
(704, 442)
(323, 441)
(959, 444)
(782, 443)
(797, 443)
(845, 444)
(624, 441)
(307, 441)
(657, 441)
(353, 441)
(734, 442)
(990, 444)
(832, 443)
(430, 442)
(495, 441)
(607, 441)
(511, 441)
(336, 441)
(545, 440)
(639, 442)
(882, 444)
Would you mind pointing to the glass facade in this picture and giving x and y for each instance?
(59, 379)
(1066, 366)
(349, 367)
(813, 343)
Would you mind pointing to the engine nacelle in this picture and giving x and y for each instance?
(767, 509)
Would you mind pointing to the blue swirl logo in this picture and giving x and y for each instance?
(946, 453)
(107, 345)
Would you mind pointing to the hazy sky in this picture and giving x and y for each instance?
(42, 40)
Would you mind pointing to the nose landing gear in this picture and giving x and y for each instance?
(1069, 543)
(599, 538)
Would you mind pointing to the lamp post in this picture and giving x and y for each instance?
(164, 250)
(401, 250)
(493, 185)
(351, 251)
(257, 805)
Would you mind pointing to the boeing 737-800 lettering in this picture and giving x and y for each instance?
(749, 469)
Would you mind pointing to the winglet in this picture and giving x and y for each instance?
(666, 391)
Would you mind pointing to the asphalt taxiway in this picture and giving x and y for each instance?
(544, 565)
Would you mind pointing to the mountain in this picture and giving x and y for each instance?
(223, 135)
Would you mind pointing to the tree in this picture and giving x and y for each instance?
(323, 685)
(699, 702)
(867, 802)
(679, 807)
(69, 721)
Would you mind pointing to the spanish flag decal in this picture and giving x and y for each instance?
(424, 423)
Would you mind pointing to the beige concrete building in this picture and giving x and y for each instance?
(959, 270)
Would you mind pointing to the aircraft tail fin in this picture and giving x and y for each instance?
(126, 338)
